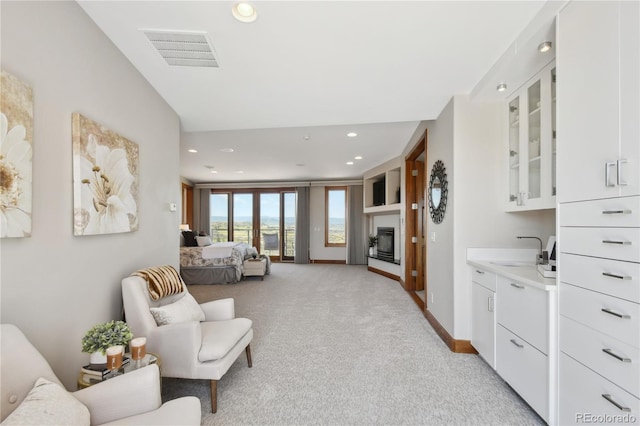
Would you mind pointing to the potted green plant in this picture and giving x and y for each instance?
(373, 240)
(96, 341)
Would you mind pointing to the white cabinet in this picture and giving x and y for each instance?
(599, 211)
(522, 341)
(382, 188)
(483, 326)
(598, 107)
(531, 145)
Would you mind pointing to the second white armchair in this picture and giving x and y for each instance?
(191, 344)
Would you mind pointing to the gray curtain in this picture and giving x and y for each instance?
(302, 225)
(356, 240)
(204, 223)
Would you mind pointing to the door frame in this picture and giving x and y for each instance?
(415, 221)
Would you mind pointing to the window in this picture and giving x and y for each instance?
(335, 216)
(219, 211)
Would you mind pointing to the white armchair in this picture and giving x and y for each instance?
(189, 349)
(133, 398)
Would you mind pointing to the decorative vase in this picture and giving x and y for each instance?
(97, 358)
(371, 252)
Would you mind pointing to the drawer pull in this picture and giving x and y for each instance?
(615, 314)
(490, 304)
(620, 277)
(618, 406)
(516, 343)
(618, 357)
(480, 272)
(622, 243)
(616, 212)
(520, 286)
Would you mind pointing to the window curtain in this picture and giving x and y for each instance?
(204, 222)
(356, 240)
(301, 254)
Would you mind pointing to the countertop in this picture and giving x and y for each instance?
(513, 264)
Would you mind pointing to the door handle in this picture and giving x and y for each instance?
(619, 180)
(607, 174)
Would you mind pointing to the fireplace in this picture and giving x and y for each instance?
(385, 244)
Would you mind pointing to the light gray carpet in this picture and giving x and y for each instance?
(338, 345)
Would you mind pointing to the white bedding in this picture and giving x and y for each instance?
(221, 250)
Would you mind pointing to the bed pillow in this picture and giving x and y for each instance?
(183, 310)
(190, 239)
(203, 241)
(250, 252)
(49, 404)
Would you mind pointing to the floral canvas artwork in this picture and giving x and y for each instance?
(16, 131)
(105, 180)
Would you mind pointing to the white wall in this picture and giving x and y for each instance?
(440, 292)
(56, 286)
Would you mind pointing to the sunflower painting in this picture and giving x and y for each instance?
(105, 180)
(16, 131)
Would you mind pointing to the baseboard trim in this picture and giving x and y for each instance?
(329, 262)
(458, 346)
(417, 299)
(383, 273)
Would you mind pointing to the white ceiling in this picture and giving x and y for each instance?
(312, 68)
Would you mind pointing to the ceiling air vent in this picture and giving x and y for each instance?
(183, 48)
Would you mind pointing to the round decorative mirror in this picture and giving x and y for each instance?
(437, 192)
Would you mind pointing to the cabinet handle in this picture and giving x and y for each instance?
(618, 406)
(616, 212)
(480, 272)
(624, 243)
(516, 343)
(618, 357)
(607, 174)
(620, 277)
(520, 286)
(615, 314)
(490, 304)
(619, 180)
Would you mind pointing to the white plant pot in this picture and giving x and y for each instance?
(371, 251)
(97, 358)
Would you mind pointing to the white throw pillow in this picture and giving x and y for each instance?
(49, 404)
(183, 310)
(203, 241)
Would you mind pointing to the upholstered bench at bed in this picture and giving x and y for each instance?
(255, 267)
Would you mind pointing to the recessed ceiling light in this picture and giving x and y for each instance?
(349, 163)
(214, 171)
(352, 134)
(192, 150)
(226, 150)
(244, 12)
(306, 137)
(358, 157)
(239, 171)
(544, 47)
(501, 87)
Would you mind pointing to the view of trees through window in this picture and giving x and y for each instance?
(335, 216)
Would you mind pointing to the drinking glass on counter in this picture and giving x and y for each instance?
(114, 358)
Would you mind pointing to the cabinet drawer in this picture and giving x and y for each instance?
(610, 315)
(616, 278)
(621, 364)
(485, 278)
(525, 369)
(612, 212)
(523, 310)
(581, 394)
(610, 243)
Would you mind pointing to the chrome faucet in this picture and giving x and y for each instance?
(543, 257)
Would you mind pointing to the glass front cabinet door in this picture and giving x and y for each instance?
(531, 144)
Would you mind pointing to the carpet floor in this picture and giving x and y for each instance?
(339, 345)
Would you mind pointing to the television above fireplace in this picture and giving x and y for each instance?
(386, 244)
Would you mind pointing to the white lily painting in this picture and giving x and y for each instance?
(16, 131)
(105, 180)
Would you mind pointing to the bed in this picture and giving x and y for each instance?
(218, 263)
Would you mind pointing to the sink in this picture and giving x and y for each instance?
(511, 263)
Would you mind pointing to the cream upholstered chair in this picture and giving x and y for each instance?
(197, 342)
(133, 398)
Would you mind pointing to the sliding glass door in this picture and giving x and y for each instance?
(262, 218)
